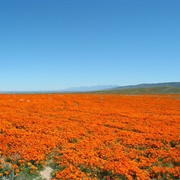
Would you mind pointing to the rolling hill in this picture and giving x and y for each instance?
(151, 90)
(155, 88)
(159, 88)
(166, 84)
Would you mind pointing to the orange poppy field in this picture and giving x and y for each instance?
(90, 136)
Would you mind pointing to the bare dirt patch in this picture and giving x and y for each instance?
(45, 174)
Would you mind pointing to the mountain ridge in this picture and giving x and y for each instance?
(145, 88)
(147, 85)
(89, 88)
(151, 88)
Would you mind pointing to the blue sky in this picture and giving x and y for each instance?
(52, 45)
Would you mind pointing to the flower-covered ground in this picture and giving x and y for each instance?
(85, 136)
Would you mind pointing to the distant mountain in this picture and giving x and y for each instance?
(166, 84)
(136, 91)
(158, 88)
(88, 88)
(153, 88)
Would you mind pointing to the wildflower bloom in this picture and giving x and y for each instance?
(105, 136)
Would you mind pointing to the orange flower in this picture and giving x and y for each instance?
(87, 135)
(7, 172)
(17, 170)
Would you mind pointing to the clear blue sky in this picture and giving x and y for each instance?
(51, 45)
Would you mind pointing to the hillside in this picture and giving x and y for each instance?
(149, 90)
(149, 85)
(158, 88)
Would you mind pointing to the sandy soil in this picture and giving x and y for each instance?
(46, 173)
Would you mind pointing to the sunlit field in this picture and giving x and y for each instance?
(90, 136)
